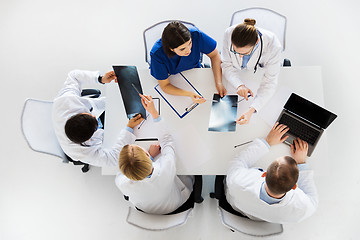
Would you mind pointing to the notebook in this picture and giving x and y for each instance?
(129, 85)
(305, 120)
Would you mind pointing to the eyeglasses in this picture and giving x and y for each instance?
(241, 54)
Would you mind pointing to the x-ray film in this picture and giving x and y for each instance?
(223, 113)
(130, 87)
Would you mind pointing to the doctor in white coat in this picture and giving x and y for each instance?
(80, 138)
(285, 193)
(248, 48)
(149, 178)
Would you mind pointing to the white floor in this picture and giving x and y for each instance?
(40, 41)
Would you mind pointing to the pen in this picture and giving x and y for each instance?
(143, 121)
(242, 144)
(243, 98)
(136, 89)
(191, 107)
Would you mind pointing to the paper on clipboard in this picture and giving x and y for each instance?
(182, 105)
(147, 129)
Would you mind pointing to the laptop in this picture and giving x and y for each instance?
(130, 87)
(305, 120)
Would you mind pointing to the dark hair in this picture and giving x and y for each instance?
(282, 177)
(245, 34)
(80, 127)
(174, 35)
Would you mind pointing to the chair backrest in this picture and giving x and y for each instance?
(37, 127)
(248, 226)
(265, 18)
(155, 222)
(153, 33)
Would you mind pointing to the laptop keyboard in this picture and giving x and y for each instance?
(300, 129)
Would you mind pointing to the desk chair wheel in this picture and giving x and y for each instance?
(85, 168)
(199, 200)
(212, 195)
(287, 63)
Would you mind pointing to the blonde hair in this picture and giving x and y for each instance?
(134, 163)
(245, 34)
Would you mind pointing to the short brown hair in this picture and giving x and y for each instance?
(174, 35)
(245, 34)
(134, 163)
(80, 127)
(281, 177)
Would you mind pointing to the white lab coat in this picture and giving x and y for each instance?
(164, 192)
(68, 103)
(270, 61)
(243, 186)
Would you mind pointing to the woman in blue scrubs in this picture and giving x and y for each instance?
(180, 49)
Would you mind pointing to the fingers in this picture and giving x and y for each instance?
(146, 100)
(292, 148)
(251, 93)
(136, 117)
(110, 76)
(283, 139)
(280, 127)
(303, 145)
(198, 99)
(242, 120)
(221, 93)
(246, 94)
(296, 144)
(145, 97)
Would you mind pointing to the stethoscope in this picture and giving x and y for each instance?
(261, 49)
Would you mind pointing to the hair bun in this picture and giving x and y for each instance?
(250, 21)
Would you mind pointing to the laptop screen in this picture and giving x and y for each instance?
(310, 111)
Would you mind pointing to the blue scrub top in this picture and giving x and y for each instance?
(161, 66)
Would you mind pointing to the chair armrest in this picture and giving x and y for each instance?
(91, 93)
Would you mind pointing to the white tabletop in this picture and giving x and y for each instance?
(203, 152)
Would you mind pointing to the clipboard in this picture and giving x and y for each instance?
(181, 105)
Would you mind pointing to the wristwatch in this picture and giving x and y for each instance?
(99, 79)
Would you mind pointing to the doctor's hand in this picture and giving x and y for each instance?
(243, 91)
(196, 98)
(299, 150)
(245, 118)
(154, 150)
(221, 89)
(136, 120)
(108, 77)
(276, 134)
(149, 106)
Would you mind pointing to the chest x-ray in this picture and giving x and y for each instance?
(223, 113)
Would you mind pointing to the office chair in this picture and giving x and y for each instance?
(38, 130)
(267, 19)
(237, 221)
(158, 222)
(153, 33)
